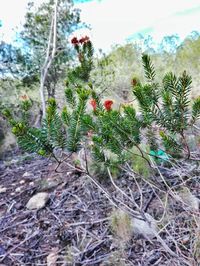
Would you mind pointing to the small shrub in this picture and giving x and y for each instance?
(108, 135)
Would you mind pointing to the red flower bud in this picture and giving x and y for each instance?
(74, 41)
(108, 104)
(94, 104)
(134, 82)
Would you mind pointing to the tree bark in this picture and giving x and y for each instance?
(50, 54)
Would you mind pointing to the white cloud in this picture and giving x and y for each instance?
(182, 25)
(113, 21)
(12, 14)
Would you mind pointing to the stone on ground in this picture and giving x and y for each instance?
(38, 201)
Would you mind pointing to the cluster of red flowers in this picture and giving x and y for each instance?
(83, 40)
(107, 104)
(24, 97)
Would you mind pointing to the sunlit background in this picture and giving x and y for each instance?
(118, 21)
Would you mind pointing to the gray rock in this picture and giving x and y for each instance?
(18, 189)
(147, 229)
(38, 201)
(191, 201)
(27, 174)
(3, 189)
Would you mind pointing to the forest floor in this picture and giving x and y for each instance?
(74, 228)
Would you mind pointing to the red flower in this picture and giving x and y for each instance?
(84, 40)
(134, 82)
(107, 104)
(74, 41)
(94, 104)
(24, 97)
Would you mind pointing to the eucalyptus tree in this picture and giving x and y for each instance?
(36, 34)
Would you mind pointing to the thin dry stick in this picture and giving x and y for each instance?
(140, 191)
(21, 243)
(89, 223)
(143, 215)
(120, 190)
(109, 197)
(172, 193)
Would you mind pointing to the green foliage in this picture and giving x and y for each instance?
(167, 105)
(63, 131)
(100, 160)
(35, 140)
(25, 63)
(52, 126)
(70, 97)
(140, 166)
(148, 67)
(29, 138)
(7, 113)
(85, 51)
(196, 110)
(65, 116)
(110, 136)
(75, 129)
(112, 73)
(16, 63)
(170, 144)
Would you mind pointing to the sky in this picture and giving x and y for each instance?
(118, 21)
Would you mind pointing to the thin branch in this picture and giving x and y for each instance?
(50, 54)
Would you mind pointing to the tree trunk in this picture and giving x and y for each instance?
(50, 54)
